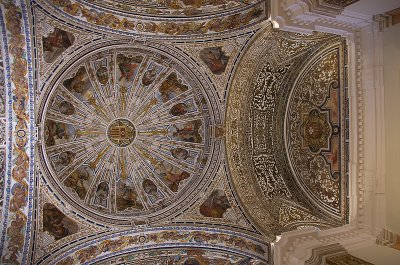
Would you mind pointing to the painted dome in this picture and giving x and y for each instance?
(126, 133)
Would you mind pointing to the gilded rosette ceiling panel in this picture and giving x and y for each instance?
(165, 132)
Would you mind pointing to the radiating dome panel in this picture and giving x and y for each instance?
(126, 133)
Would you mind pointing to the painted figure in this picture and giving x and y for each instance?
(102, 75)
(151, 190)
(127, 68)
(56, 223)
(149, 187)
(149, 76)
(171, 87)
(79, 181)
(127, 197)
(58, 132)
(66, 108)
(216, 205)
(180, 153)
(80, 84)
(66, 158)
(171, 175)
(215, 59)
(55, 44)
(187, 132)
(101, 195)
(179, 109)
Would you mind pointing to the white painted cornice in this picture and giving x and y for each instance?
(295, 15)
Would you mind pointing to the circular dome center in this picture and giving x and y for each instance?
(137, 157)
(121, 132)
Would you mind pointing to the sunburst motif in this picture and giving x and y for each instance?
(124, 131)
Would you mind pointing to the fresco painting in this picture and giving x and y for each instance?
(56, 43)
(58, 133)
(80, 85)
(215, 59)
(171, 87)
(186, 132)
(56, 223)
(127, 197)
(215, 205)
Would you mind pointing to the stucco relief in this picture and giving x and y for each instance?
(256, 142)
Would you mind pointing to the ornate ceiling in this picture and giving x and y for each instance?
(127, 133)
(167, 132)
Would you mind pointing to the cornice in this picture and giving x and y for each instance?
(296, 15)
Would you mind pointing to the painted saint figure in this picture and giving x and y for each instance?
(149, 76)
(79, 181)
(180, 153)
(101, 195)
(80, 84)
(171, 175)
(215, 59)
(127, 68)
(58, 132)
(216, 205)
(171, 87)
(56, 43)
(179, 109)
(56, 223)
(127, 197)
(149, 187)
(102, 75)
(187, 132)
(66, 108)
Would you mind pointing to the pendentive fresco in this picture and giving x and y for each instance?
(165, 132)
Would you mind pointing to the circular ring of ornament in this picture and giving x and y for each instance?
(126, 133)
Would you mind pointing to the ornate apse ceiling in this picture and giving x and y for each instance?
(169, 132)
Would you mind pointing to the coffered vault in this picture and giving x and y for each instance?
(168, 132)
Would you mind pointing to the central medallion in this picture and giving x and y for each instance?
(121, 132)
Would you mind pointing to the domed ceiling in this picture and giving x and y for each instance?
(127, 133)
(168, 132)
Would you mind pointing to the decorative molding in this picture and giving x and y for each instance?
(333, 254)
(297, 16)
(319, 254)
(173, 26)
(296, 247)
(19, 177)
(367, 191)
(394, 16)
(345, 259)
(388, 238)
(328, 7)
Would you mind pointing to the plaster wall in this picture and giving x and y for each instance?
(370, 7)
(378, 255)
(391, 51)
